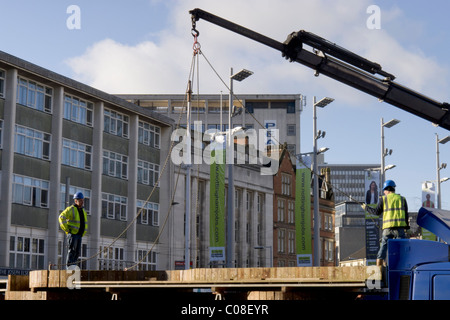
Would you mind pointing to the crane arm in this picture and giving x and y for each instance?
(344, 66)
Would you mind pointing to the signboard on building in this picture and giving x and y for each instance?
(217, 206)
(372, 222)
(303, 212)
(428, 201)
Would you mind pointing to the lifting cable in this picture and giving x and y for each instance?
(196, 52)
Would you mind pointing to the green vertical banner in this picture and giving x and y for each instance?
(217, 206)
(303, 212)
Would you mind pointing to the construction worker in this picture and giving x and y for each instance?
(395, 217)
(73, 221)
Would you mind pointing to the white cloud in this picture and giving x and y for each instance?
(163, 67)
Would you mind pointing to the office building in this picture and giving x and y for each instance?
(348, 180)
(59, 136)
(259, 111)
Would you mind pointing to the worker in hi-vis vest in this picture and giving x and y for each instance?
(395, 217)
(73, 221)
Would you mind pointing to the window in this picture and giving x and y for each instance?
(78, 110)
(249, 201)
(114, 207)
(259, 203)
(148, 173)
(32, 143)
(291, 242)
(76, 154)
(149, 134)
(26, 253)
(111, 258)
(2, 83)
(290, 107)
(280, 210)
(291, 129)
(281, 240)
(285, 184)
(34, 95)
(30, 192)
(116, 123)
(147, 260)
(329, 250)
(291, 211)
(115, 164)
(149, 213)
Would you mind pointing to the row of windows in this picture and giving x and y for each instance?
(281, 216)
(36, 144)
(35, 193)
(40, 97)
(178, 107)
(28, 253)
(286, 245)
(113, 258)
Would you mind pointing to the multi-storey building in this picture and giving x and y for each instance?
(284, 254)
(327, 219)
(59, 136)
(252, 226)
(348, 180)
(262, 111)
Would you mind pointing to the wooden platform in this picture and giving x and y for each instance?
(239, 283)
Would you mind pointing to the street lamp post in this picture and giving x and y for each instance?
(317, 135)
(241, 75)
(439, 166)
(384, 153)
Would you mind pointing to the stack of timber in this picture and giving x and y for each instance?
(283, 283)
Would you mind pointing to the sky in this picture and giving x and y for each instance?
(146, 46)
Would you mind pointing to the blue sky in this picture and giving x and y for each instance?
(145, 46)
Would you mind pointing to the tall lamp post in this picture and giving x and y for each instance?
(241, 75)
(384, 153)
(317, 135)
(439, 166)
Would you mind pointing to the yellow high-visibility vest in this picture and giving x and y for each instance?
(394, 212)
(69, 220)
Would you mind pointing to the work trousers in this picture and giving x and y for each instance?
(74, 248)
(397, 233)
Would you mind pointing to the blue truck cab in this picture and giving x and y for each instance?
(420, 269)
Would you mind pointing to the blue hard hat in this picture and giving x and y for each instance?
(389, 183)
(78, 195)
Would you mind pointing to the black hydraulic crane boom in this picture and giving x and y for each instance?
(344, 66)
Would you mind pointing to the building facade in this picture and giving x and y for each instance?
(284, 254)
(348, 180)
(252, 224)
(262, 111)
(59, 136)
